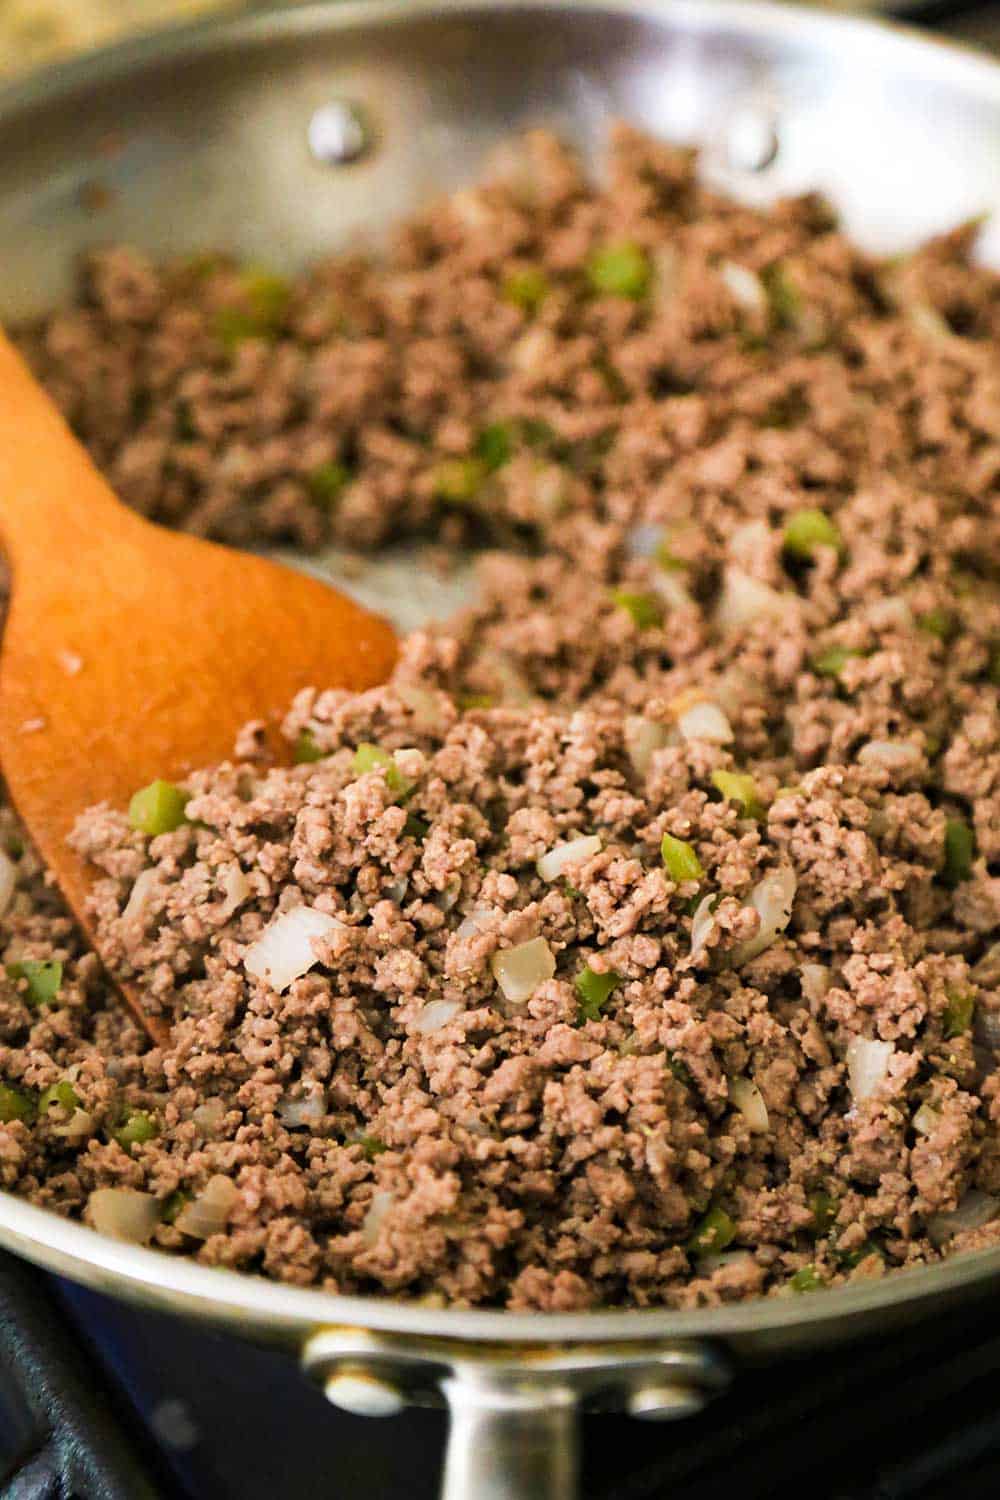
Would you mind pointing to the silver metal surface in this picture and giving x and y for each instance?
(203, 139)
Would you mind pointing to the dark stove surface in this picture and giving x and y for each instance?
(103, 1402)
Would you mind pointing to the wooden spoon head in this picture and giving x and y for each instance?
(140, 654)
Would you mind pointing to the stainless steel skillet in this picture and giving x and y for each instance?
(283, 134)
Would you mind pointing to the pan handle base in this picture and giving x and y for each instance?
(514, 1409)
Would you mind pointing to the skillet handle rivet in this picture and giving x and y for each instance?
(666, 1402)
(339, 133)
(355, 1390)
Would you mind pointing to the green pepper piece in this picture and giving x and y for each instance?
(645, 609)
(372, 1146)
(495, 445)
(619, 270)
(959, 850)
(958, 1013)
(807, 529)
(832, 662)
(62, 1093)
(328, 481)
(307, 752)
(457, 481)
(416, 828)
(680, 1070)
(807, 1279)
(738, 787)
(713, 1232)
(139, 1127)
(784, 298)
(939, 622)
(43, 978)
(158, 808)
(368, 757)
(15, 1104)
(173, 1203)
(681, 860)
(468, 701)
(594, 989)
(527, 288)
(824, 1210)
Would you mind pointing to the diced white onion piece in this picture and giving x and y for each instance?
(519, 971)
(552, 865)
(666, 274)
(702, 923)
(643, 539)
(124, 1214)
(927, 320)
(672, 589)
(926, 1120)
(975, 1210)
(745, 286)
(550, 490)
(867, 1066)
(705, 721)
(79, 1125)
(892, 755)
(208, 1115)
(884, 614)
(138, 901)
(435, 1014)
(378, 1208)
(642, 740)
(308, 1109)
(8, 880)
(745, 1096)
(208, 1213)
(750, 543)
(474, 923)
(284, 951)
(815, 980)
(397, 890)
(743, 599)
(532, 354)
(425, 705)
(772, 897)
(236, 888)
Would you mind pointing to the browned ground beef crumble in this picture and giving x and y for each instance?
(556, 1152)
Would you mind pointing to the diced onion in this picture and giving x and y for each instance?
(124, 1214)
(892, 755)
(236, 888)
(425, 706)
(750, 543)
(8, 880)
(474, 923)
(79, 1125)
(867, 1066)
(705, 721)
(208, 1213)
(745, 1096)
(743, 600)
(208, 1115)
(573, 852)
(519, 971)
(975, 1210)
(378, 1208)
(672, 589)
(926, 1120)
(772, 897)
(532, 354)
(642, 740)
(643, 539)
(435, 1014)
(308, 1109)
(702, 923)
(284, 950)
(745, 286)
(137, 904)
(815, 980)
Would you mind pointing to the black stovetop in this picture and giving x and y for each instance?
(103, 1402)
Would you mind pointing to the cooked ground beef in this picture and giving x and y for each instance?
(739, 632)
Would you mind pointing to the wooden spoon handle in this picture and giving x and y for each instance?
(46, 519)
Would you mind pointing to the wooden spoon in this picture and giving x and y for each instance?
(133, 653)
